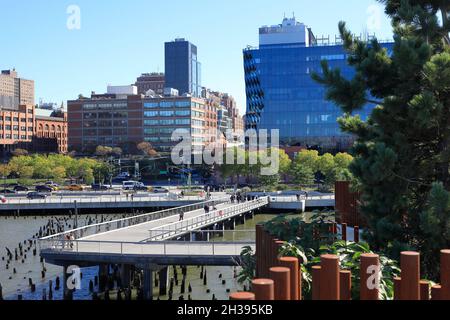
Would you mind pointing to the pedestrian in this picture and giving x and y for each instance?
(71, 238)
(181, 216)
(206, 209)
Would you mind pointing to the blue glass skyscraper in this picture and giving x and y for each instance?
(182, 68)
(281, 93)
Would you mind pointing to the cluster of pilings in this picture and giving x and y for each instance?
(26, 249)
(281, 278)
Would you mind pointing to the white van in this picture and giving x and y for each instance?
(133, 185)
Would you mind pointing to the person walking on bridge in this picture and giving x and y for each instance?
(181, 215)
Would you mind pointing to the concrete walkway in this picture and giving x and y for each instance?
(141, 232)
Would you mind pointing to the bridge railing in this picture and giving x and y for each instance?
(107, 226)
(164, 248)
(181, 227)
(100, 198)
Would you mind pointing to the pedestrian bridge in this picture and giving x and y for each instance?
(145, 239)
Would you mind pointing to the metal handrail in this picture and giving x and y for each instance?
(176, 228)
(122, 223)
(120, 247)
(100, 198)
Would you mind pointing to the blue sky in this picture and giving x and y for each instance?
(120, 39)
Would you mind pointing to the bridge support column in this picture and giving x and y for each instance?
(67, 293)
(148, 284)
(163, 281)
(103, 271)
(125, 277)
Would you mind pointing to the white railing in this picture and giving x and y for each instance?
(126, 222)
(177, 228)
(174, 248)
(100, 199)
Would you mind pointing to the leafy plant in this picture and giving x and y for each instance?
(247, 262)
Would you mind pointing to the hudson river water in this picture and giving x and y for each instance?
(16, 230)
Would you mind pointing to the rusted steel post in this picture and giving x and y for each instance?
(397, 288)
(267, 254)
(281, 278)
(329, 277)
(410, 274)
(242, 296)
(436, 292)
(445, 274)
(264, 289)
(344, 231)
(424, 290)
(356, 234)
(293, 265)
(346, 285)
(316, 282)
(259, 249)
(369, 276)
(278, 245)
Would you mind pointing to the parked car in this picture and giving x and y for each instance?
(99, 187)
(7, 191)
(133, 185)
(21, 188)
(36, 195)
(43, 188)
(52, 185)
(160, 190)
(75, 187)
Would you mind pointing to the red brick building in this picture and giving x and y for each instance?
(32, 129)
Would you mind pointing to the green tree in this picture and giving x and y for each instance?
(343, 160)
(403, 148)
(308, 158)
(25, 174)
(302, 174)
(59, 174)
(102, 151)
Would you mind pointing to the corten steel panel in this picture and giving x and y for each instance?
(316, 271)
(329, 277)
(367, 261)
(436, 292)
(345, 284)
(281, 277)
(410, 274)
(347, 205)
(293, 265)
(424, 290)
(397, 288)
(242, 296)
(264, 289)
(445, 274)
